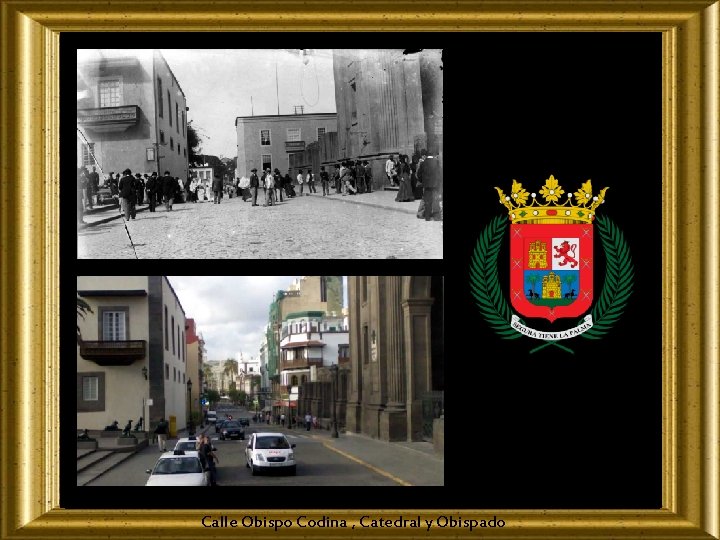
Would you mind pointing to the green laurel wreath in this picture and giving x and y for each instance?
(486, 290)
(618, 279)
(484, 279)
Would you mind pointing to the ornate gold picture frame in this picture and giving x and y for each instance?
(29, 149)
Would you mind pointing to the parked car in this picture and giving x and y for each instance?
(244, 421)
(177, 468)
(219, 424)
(186, 444)
(267, 451)
(231, 429)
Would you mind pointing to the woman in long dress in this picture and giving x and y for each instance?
(405, 193)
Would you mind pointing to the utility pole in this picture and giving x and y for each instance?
(277, 91)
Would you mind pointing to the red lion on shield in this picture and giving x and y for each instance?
(567, 252)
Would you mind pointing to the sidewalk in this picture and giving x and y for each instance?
(379, 199)
(408, 463)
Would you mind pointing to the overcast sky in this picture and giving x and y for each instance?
(218, 84)
(230, 312)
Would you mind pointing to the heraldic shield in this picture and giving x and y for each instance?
(551, 269)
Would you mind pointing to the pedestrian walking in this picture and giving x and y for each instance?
(300, 181)
(254, 184)
(431, 176)
(405, 193)
(81, 183)
(217, 187)
(278, 185)
(368, 177)
(269, 182)
(390, 169)
(308, 421)
(162, 430)
(139, 186)
(336, 179)
(151, 186)
(169, 186)
(127, 195)
(325, 181)
(210, 458)
(287, 183)
(310, 180)
(93, 185)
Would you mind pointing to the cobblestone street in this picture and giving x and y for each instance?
(367, 226)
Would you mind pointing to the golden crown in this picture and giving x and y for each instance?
(552, 210)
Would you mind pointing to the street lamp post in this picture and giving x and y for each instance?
(190, 426)
(334, 370)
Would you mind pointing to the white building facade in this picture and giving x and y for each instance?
(132, 358)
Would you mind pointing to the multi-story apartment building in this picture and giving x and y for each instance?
(195, 348)
(132, 356)
(131, 113)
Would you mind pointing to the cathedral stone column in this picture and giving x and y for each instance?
(353, 411)
(418, 346)
(393, 420)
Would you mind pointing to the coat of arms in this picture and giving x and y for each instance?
(551, 265)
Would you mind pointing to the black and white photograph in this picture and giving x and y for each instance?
(281, 381)
(259, 154)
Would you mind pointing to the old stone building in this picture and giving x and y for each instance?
(396, 378)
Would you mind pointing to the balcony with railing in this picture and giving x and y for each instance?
(113, 353)
(107, 119)
(300, 363)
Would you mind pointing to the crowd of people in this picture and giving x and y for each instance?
(417, 178)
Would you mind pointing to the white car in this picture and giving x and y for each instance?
(211, 417)
(186, 444)
(267, 451)
(178, 468)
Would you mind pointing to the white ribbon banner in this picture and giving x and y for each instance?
(586, 325)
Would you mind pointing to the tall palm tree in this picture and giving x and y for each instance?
(230, 368)
(532, 278)
(569, 279)
(83, 308)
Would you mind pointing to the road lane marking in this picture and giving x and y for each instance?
(371, 467)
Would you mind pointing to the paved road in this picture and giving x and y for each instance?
(311, 227)
(318, 465)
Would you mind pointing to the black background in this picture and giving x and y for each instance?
(545, 430)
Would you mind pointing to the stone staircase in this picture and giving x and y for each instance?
(109, 450)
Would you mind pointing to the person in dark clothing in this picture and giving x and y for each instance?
(210, 459)
(127, 194)
(336, 179)
(325, 181)
(278, 185)
(139, 189)
(368, 176)
(430, 174)
(287, 184)
(93, 185)
(169, 186)
(217, 186)
(254, 185)
(151, 185)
